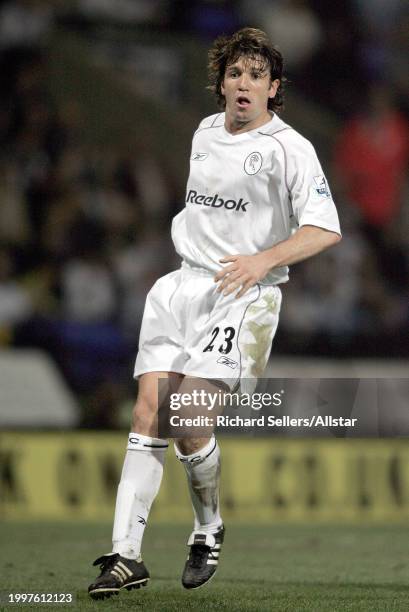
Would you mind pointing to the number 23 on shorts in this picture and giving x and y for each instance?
(226, 346)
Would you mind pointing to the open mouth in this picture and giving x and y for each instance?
(243, 102)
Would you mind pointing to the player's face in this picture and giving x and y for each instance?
(247, 87)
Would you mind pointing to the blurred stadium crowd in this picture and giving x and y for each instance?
(84, 228)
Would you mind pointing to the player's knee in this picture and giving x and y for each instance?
(189, 446)
(144, 414)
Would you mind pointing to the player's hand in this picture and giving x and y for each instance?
(243, 271)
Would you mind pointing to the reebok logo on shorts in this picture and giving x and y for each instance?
(216, 201)
(228, 362)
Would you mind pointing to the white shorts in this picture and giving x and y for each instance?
(190, 328)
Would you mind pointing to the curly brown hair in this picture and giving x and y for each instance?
(248, 42)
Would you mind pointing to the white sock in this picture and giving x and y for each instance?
(203, 474)
(140, 481)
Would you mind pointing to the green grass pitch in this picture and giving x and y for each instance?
(278, 567)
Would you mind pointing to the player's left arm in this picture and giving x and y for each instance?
(246, 270)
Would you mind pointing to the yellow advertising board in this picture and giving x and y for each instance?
(52, 476)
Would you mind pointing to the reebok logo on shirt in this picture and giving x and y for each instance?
(216, 201)
(199, 156)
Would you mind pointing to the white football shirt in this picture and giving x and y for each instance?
(247, 192)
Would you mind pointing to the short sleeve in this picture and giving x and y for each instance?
(310, 194)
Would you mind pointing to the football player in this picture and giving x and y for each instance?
(257, 201)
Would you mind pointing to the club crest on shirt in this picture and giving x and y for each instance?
(321, 186)
(253, 163)
(199, 156)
